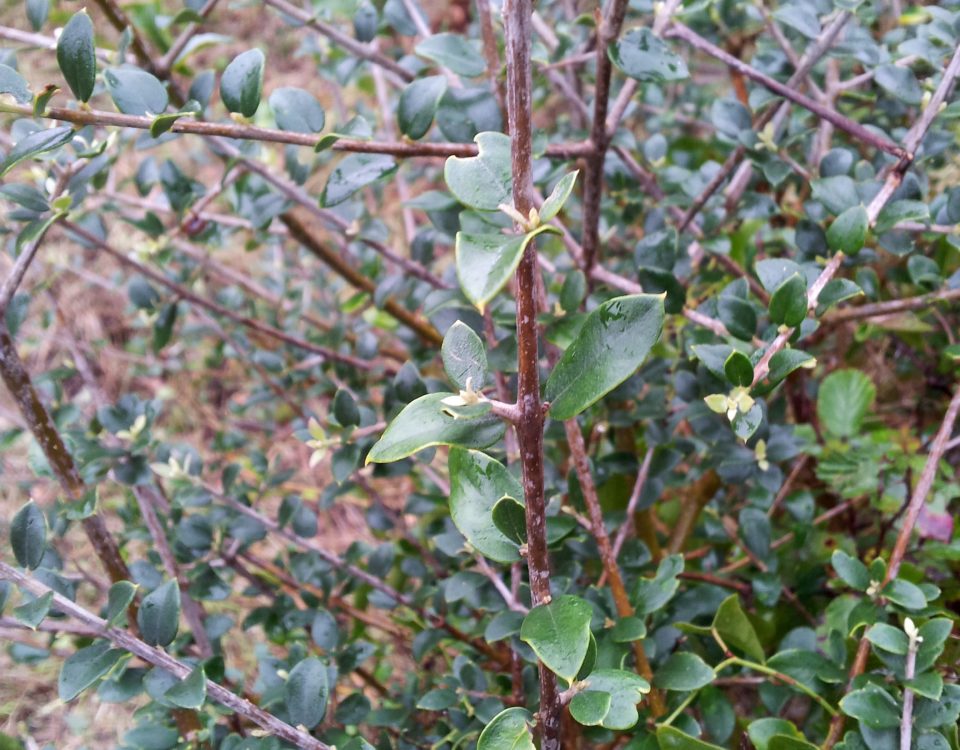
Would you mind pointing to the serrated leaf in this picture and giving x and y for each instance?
(845, 398)
(242, 83)
(559, 634)
(76, 55)
(610, 346)
(296, 110)
(484, 181)
(28, 535)
(354, 172)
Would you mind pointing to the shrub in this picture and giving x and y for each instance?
(622, 344)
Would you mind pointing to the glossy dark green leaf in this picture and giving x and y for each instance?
(508, 730)
(671, 738)
(35, 144)
(559, 634)
(439, 699)
(643, 55)
(477, 483)
(853, 572)
(788, 304)
(76, 55)
(736, 630)
(739, 369)
(297, 110)
(159, 614)
(610, 347)
(848, 231)
(135, 91)
(85, 667)
(683, 671)
(119, 597)
(652, 594)
(28, 535)
(242, 83)
(11, 82)
(845, 398)
(628, 629)
(464, 356)
(484, 181)
(574, 291)
(456, 53)
(509, 516)
(898, 211)
(905, 594)
(590, 707)
(424, 423)
(418, 105)
(345, 408)
(306, 691)
(738, 315)
(886, 637)
(353, 172)
(873, 706)
(761, 731)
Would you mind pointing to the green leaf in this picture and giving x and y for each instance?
(119, 597)
(626, 690)
(32, 613)
(788, 304)
(37, 12)
(574, 291)
(242, 83)
(905, 594)
(561, 191)
(853, 572)
(190, 692)
(296, 110)
(508, 730)
(873, 706)
(652, 594)
(845, 398)
(454, 52)
(355, 171)
(135, 91)
(611, 345)
(509, 516)
(772, 272)
(159, 614)
(628, 629)
(418, 105)
(643, 55)
(484, 181)
(365, 22)
(739, 369)
(345, 408)
(800, 17)
(934, 633)
(837, 193)
(34, 144)
(306, 692)
(464, 356)
(900, 82)
(762, 731)
(897, 211)
(85, 667)
(671, 738)
(76, 55)
(735, 628)
(11, 82)
(888, 638)
(477, 483)
(786, 361)
(438, 699)
(559, 634)
(486, 262)
(836, 291)
(424, 423)
(738, 315)
(848, 231)
(28, 535)
(162, 123)
(928, 684)
(590, 707)
(683, 671)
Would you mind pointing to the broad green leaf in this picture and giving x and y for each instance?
(509, 516)
(28, 535)
(135, 91)
(897, 211)
(574, 291)
(761, 731)
(34, 144)
(559, 634)
(486, 262)
(739, 369)
(788, 304)
(242, 83)
(77, 56)
(418, 105)
(85, 667)
(848, 231)
(807, 667)
(11, 82)
(345, 408)
(772, 272)
(483, 181)
(191, 691)
(928, 684)
(626, 690)
(801, 17)
(611, 345)
(934, 633)
(424, 423)
(888, 638)
(37, 12)
(671, 738)
(119, 597)
(836, 291)
(438, 699)
(365, 21)
(683, 671)
(837, 193)
(900, 82)
(738, 315)
(628, 629)
(590, 707)
(561, 191)
(464, 356)
(306, 692)
(643, 55)
(355, 171)
(735, 628)
(163, 123)
(25, 195)
(508, 730)
(456, 53)
(477, 482)
(652, 594)
(845, 398)
(873, 706)
(853, 572)
(159, 614)
(905, 594)
(297, 110)
(33, 612)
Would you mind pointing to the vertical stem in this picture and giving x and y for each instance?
(518, 29)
